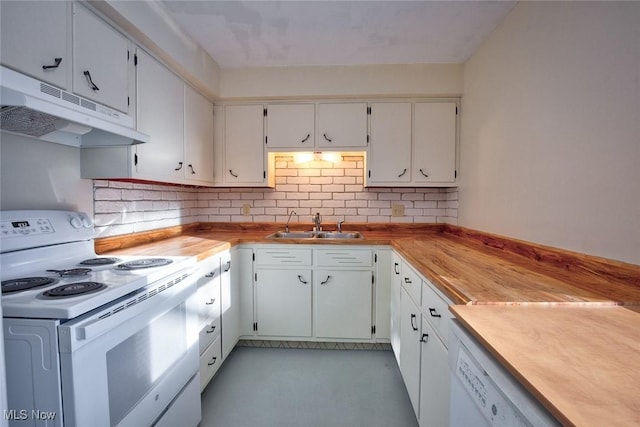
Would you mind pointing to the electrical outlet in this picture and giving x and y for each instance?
(246, 209)
(397, 210)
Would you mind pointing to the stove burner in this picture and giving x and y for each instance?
(25, 283)
(100, 261)
(143, 263)
(71, 272)
(74, 289)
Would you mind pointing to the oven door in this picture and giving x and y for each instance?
(127, 363)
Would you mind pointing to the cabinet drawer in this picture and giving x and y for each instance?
(208, 333)
(208, 300)
(210, 362)
(436, 310)
(412, 282)
(344, 258)
(283, 256)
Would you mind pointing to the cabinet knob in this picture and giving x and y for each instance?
(92, 85)
(56, 65)
(433, 312)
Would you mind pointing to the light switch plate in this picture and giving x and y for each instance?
(397, 210)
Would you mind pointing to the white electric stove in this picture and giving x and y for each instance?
(94, 340)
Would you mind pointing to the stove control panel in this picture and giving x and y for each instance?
(26, 227)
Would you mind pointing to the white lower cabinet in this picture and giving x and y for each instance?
(343, 304)
(410, 323)
(434, 379)
(236, 269)
(419, 322)
(316, 293)
(283, 302)
(209, 312)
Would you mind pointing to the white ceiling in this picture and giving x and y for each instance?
(240, 34)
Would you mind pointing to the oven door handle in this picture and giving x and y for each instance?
(73, 335)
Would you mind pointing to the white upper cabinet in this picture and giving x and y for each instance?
(101, 58)
(390, 146)
(434, 149)
(243, 146)
(35, 39)
(342, 125)
(198, 137)
(291, 126)
(416, 149)
(161, 116)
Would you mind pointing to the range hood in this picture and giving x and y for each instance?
(31, 107)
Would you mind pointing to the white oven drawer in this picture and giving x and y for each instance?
(210, 362)
(209, 333)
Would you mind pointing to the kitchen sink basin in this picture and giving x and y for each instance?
(314, 235)
(340, 235)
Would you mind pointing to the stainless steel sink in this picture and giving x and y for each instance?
(315, 235)
(340, 235)
(292, 235)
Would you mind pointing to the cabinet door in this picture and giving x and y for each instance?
(434, 380)
(396, 287)
(198, 137)
(237, 292)
(390, 159)
(382, 291)
(410, 323)
(32, 35)
(434, 142)
(343, 304)
(291, 126)
(161, 116)
(283, 302)
(342, 125)
(100, 60)
(244, 145)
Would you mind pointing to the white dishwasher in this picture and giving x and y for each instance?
(483, 393)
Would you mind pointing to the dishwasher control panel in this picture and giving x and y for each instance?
(495, 407)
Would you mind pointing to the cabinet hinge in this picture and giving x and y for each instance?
(264, 174)
(255, 326)
(255, 276)
(264, 112)
(368, 111)
(266, 140)
(135, 59)
(455, 174)
(367, 139)
(373, 279)
(373, 329)
(456, 110)
(128, 101)
(135, 159)
(128, 55)
(253, 257)
(375, 257)
(369, 173)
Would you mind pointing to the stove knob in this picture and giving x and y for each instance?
(76, 222)
(86, 221)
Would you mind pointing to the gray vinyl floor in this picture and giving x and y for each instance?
(264, 387)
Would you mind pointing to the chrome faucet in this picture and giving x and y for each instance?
(317, 220)
(339, 225)
(286, 228)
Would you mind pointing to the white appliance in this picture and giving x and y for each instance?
(31, 107)
(483, 393)
(94, 341)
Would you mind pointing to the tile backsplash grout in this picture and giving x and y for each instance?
(335, 190)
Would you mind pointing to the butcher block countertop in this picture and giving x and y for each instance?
(580, 362)
(566, 325)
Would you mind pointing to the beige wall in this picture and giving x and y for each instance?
(338, 81)
(550, 143)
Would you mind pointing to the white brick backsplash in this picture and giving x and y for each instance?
(335, 190)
